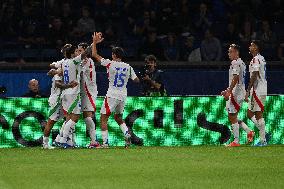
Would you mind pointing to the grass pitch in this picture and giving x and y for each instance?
(143, 167)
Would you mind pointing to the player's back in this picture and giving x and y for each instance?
(119, 74)
(71, 72)
(89, 75)
(258, 63)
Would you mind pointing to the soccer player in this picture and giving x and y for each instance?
(236, 92)
(118, 75)
(71, 102)
(89, 94)
(257, 89)
(55, 112)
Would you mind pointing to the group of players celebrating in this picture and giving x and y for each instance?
(236, 93)
(74, 90)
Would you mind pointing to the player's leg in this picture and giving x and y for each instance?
(261, 127)
(54, 116)
(258, 109)
(118, 118)
(232, 108)
(46, 133)
(72, 104)
(89, 109)
(124, 129)
(91, 127)
(233, 118)
(250, 133)
(104, 120)
(108, 107)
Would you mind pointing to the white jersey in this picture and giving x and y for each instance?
(58, 64)
(258, 64)
(118, 75)
(71, 72)
(88, 79)
(55, 91)
(238, 67)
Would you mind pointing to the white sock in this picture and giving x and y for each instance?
(69, 126)
(253, 119)
(62, 128)
(105, 136)
(92, 128)
(244, 126)
(57, 139)
(124, 129)
(45, 140)
(236, 130)
(261, 124)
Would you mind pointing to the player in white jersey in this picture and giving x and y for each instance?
(236, 94)
(118, 75)
(89, 94)
(55, 112)
(71, 102)
(257, 89)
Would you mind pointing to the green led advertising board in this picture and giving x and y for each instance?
(159, 121)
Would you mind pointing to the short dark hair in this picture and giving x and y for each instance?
(236, 47)
(258, 44)
(118, 51)
(63, 49)
(150, 58)
(69, 51)
(83, 45)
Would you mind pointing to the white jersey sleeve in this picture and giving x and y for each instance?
(106, 62)
(132, 74)
(58, 64)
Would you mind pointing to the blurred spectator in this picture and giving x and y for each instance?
(152, 79)
(171, 48)
(57, 33)
(230, 36)
(9, 22)
(203, 21)
(152, 46)
(34, 90)
(85, 25)
(132, 20)
(210, 47)
(268, 39)
(247, 34)
(67, 17)
(190, 50)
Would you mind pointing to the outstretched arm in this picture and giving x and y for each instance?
(97, 38)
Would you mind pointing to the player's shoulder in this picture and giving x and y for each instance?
(258, 59)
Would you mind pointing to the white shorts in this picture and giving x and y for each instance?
(257, 102)
(71, 103)
(55, 108)
(233, 105)
(112, 105)
(88, 102)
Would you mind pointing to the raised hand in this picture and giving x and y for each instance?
(97, 37)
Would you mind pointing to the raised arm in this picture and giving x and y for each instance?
(97, 38)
